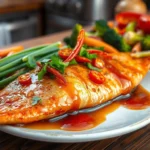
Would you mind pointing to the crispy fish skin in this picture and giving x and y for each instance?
(79, 92)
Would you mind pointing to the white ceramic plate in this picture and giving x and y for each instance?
(119, 122)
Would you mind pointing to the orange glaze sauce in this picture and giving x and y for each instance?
(78, 122)
(139, 100)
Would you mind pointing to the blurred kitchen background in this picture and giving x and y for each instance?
(26, 19)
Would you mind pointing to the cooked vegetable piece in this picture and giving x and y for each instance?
(42, 71)
(4, 52)
(9, 79)
(91, 67)
(80, 40)
(146, 43)
(84, 52)
(96, 77)
(141, 54)
(98, 43)
(11, 70)
(25, 79)
(144, 23)
(57, 74)
(97, 62)
(101, 27)
(132, 38)
(137, 47)
(81, 59)
(30, 58)
(58, 64)
(72, 40)
(19, 55)
(64, 53)
(131, 26)
(73, 62)
(110, 36)
(124, 18)
(114, 39)
(100, 53)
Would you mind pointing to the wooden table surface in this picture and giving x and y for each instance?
(9, 6)
(138, 140)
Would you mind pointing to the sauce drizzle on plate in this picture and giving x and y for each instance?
(139, 100)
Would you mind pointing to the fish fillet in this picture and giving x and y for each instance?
(16, 101)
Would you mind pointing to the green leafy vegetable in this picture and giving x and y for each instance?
(35, 100)
(131, 26)
(72, 40)
(101, 27)
(9, 79)
(73, 62)
(47, 50)
(57, 63)
(112, 38)
(18, 56)
(84, 53)
(146, 43)
(42, 72)
(89, 65)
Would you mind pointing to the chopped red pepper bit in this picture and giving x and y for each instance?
(100, 53)
(58, 75)
(96, 77)
(25, 79)
(64, 53)
(97, 62)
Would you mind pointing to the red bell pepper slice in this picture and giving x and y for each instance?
(80, 40)
(124, 18)
(96, 77)
(58, 75)
(25, 79)
(81, 59)
(66, 52)
(144, 23)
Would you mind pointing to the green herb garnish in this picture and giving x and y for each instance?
(42, 72)
(84, 53)
(35, 100)
(57, 63)
(90, 66)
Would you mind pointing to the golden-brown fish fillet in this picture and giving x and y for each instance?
(121, 73)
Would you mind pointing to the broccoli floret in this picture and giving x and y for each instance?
(146, 43)
(114, 39)
(110, 36)
(101, 27)
(72, 40)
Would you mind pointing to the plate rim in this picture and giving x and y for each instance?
(40, 136)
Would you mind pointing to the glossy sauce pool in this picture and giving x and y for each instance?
(139, 100)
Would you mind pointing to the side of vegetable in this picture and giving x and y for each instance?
(79, 54)
(136, 27)
(13, 66)
(11, 50)
(111, 37)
